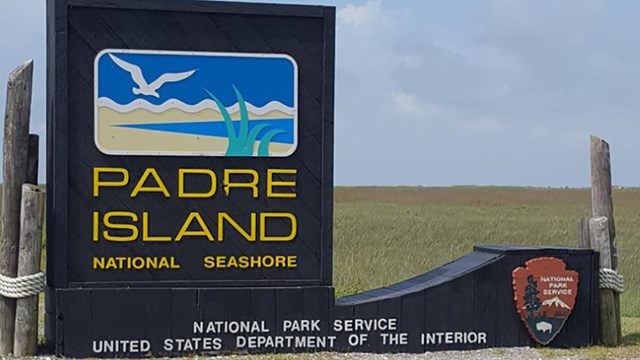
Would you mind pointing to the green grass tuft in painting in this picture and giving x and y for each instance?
(242, 143)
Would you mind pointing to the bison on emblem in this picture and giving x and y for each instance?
(544, 327)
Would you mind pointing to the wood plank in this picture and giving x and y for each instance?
(30, 244)
(16, 137)
(391, 341)
(290, 306)
(583, 233)
(49, 319)
(156, 306)
(601, 200)
(328, 138)
(57, 151)
(577, 328)
(77, 332)
(317, 304)
(368, 310)
(237, 307)
(485, 299)
(463, 301)
(595, 300)
(32, 159)
(437, 311)
(187, 306)
(599, 233)
(264, 308)
(205, 6)
(413, 320)
(205, 33)
(602, 205)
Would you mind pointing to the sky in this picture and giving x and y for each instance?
(442, 93)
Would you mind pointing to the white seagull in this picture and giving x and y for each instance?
(145, 88)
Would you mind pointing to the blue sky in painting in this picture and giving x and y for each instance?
(259, 79)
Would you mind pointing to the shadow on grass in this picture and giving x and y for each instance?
(631, 339)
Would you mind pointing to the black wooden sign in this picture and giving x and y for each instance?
(149, 187)
(190, 179)
(190, 144)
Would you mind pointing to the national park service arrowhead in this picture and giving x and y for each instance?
(545, 294)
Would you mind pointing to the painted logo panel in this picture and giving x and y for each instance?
(202, 104)
(545, 294)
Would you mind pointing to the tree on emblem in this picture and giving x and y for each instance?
(531, 300)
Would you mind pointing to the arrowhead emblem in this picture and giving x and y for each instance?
(545, 294)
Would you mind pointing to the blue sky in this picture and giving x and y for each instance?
(438, 93)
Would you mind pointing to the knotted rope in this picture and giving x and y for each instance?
(610, 279)
(23, 286)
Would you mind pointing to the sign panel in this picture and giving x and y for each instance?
(463, 305)
(192, 144)
(195, 103)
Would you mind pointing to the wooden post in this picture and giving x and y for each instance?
(599, 231)
(583, 233)
(32, 159)
(32, 217)
(16, 135)
(602, 203)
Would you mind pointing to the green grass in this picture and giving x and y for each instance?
(630, 348)
(385, 235)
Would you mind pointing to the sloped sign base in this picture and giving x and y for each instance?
(466, 304)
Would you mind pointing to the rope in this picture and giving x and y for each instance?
(610, 279)
(23, 286)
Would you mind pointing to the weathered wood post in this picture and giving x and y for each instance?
(16, 135)
(32, 159)
(583, 233)
(32, 218)
(602, 204)
(599, 233)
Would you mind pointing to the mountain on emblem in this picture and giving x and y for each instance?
(555, 302)
(545, 294)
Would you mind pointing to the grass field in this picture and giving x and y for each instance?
(385, 235)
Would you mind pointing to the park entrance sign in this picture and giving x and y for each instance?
(190, 197)
(191, 148)
(193, 144)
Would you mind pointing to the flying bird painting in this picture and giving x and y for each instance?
(144, 87)
(172, 103)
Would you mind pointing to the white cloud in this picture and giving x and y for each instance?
(407, 103)
(412, 107)
(482, 124)
(411, 61)
(359, 15)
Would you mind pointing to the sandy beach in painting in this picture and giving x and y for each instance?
(112, 137)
